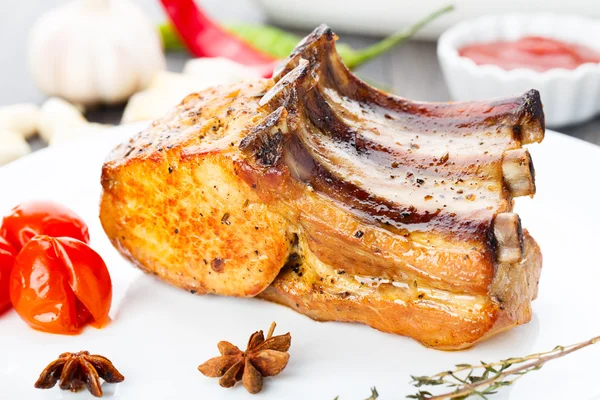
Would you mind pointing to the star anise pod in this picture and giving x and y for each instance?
(74, 371)
(263, 357)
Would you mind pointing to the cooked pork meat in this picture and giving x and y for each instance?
(345, 203)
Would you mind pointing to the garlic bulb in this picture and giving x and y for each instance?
(95, 51)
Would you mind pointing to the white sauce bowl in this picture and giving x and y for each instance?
(569, 96)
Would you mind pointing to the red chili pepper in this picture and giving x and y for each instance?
(205, 38)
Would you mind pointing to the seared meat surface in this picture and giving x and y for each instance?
(316, 191)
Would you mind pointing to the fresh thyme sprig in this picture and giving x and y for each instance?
(495, 375)
(374, 394)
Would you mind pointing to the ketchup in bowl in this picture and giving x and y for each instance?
(532, 52)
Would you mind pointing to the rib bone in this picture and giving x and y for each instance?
(509, 238)
(518, 172)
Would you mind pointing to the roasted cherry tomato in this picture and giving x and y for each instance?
(7, 259)
(42, 218)
(59, 285)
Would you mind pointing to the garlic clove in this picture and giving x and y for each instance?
(180, 83)
(219, 70)
(22, 118)
(149, 104)
(57, 114)
(167, 89)
(12, 146)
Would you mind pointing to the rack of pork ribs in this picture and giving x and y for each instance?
(316, 191)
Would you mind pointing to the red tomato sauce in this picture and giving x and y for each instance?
(532, 52)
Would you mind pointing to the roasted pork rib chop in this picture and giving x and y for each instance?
(316, 191)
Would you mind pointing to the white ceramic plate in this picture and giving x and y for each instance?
(160, 334)
(383, 17)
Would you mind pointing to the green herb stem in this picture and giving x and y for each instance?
(354, 58)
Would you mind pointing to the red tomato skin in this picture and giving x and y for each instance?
(58, 285)
(7, 259)
(42, 218)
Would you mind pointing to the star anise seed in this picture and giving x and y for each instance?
(74, 371)
(227, 349)
(262, 358)
(252, 379)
